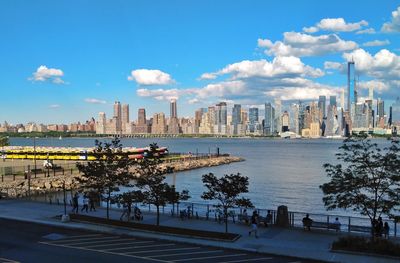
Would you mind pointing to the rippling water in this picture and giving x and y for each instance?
(281, 172)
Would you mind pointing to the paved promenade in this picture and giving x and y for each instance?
(289, 242)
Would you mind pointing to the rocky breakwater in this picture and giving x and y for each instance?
(19, 188)
(193, 163)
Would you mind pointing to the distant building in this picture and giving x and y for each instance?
(322, 106)
(125, 119)
(351, 83)
(173, 127)
(159, 125)
(117, 117)
(269, 120)
(236, 118)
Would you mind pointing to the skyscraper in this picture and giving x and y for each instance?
(117, 116)
(278, 115)
(351, 83)
(101, 123)
(322, 106)
(396, 112)
(125, 117)
(220, 118)
(332, 101)
(236, 118)
(141, 116)
(173, 111)
(269, 119)
(173, 127)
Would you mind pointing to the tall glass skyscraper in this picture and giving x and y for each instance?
(236, 117)
(253, 119)
(269, 119)
(351, 85)
(322, 106)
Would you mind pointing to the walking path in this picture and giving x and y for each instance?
(280, 241)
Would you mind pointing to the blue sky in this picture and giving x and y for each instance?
(64, 61)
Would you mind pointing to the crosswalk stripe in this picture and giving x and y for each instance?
(83, 239)
(91, 235)
(247, 260)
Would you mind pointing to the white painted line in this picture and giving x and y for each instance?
(92, 235)
(119, 243)
(83, 239)
(161, 245)
(161, 250)
(8, 260)
(104, 252)
(295, 262)
(189, 253)
(93, 240)
(222, 256)
(247, 260)
(103, 242)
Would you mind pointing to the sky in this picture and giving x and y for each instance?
(65, 61)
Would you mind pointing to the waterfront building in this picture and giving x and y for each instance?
(220, 121)
(371, 93)
(351, 82)
(396, 112)
(125, 119)
(285, 121)
(380, 113)
(269, 119)
(197, 119)
(173, 127)
(253, 122)
(207, 121)
(159, 125)
(141, 126)
(322, 106)
(278, 116)
(118, 116)
(236, 118)
(360, 122)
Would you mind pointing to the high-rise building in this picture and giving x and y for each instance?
(141, 117)
(173, 109)
(173, 127)
(253, 120)
(101, 123)
(380, 112)
(332, 101)
(141, 125)
(285, 121)
(117, 116)
(125, 118)
(322, 106)
(351, 85)
(236, 118)
(278, 115)
(197, 118)
(371, 93)
(396, 112)
(159, 125)
(220, 118)
(269, 119)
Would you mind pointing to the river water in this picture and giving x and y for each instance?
(281, 172)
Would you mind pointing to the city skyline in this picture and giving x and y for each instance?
(56, 65)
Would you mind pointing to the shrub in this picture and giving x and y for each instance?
(363, 244)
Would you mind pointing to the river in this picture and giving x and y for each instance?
(281, 172)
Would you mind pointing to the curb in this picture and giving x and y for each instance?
(364, 254)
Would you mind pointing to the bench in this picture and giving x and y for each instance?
(363, 229)
(322, 225)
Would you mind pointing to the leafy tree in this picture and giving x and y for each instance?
(366, 180)
(226, 190)
(109, 170)
(151, 181)
(128, 198)
(4, 141)
(175, 197)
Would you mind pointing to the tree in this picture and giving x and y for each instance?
(151, 182)
(128, 198)
(109, 170)
(366, 180)
(226, 190)
(175, 197)
(4, 141)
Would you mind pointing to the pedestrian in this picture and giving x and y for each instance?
(254, 224)
(75, 204)
(379, 227)
(91, 203)
(386, 230)
(245, 217)
(126, 211)
(337, 224)
(307, 222)
(85, 204)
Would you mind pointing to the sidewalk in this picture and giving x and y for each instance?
(280, 241)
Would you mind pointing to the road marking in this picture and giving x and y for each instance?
(109, 242)
(84, 239)
(247, 260)
(190, 253)
(161, 250)
(104, 252)
(92, 235)
(120, 243)
(161, 245)
(8, 260)
(222, 256)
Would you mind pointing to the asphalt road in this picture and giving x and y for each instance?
(28, 242)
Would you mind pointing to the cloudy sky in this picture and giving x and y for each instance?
(64, 61)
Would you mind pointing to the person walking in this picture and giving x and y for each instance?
(85, 204)
(337, 224)
(254, 224)
(75, 204)
(386, 230)
(91, 203)
(125, 211)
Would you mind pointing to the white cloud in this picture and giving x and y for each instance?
(54, 106)
(299, 44)
(376, 43)
(377, 85)
(164, 94)
(222, 89)
(366, 31)
(333, 65)
(95, 101)
(207, 76)
(394, 24)
(278, 67)
(150, 77)
(303, 93)
(44, 73)
(340, 25)
(335, 25)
